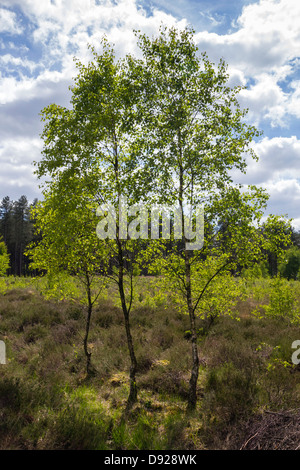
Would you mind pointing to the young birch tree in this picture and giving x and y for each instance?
(65, 219)
(93, 140)
(194, 135)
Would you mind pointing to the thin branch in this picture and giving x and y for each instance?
(131, 292)
(208, 282)
(247, 442)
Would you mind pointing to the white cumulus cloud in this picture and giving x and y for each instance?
(8, 22)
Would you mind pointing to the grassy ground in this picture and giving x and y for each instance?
(248, 388)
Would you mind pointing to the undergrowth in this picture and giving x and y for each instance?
(48, 402)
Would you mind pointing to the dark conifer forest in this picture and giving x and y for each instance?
(17, 231)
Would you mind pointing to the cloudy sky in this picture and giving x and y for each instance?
(259, 40)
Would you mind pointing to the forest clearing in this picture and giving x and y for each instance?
(149, 300)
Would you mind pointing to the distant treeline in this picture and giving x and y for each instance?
(17, 231)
